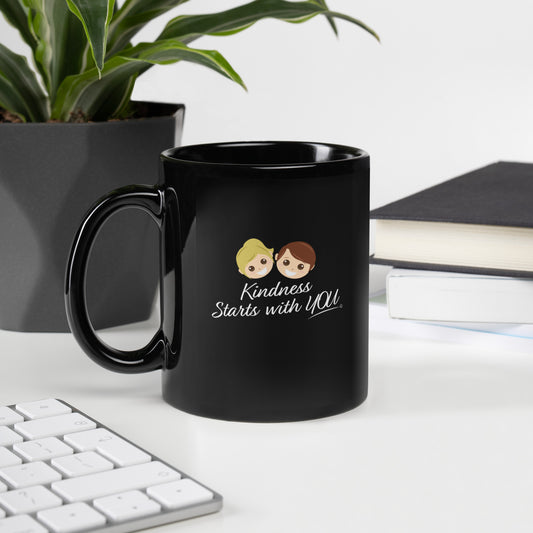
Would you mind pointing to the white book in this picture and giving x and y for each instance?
(455, 297)
(499, 337)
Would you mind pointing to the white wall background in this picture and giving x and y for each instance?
(449, 89)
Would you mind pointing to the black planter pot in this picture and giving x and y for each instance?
(50, 174)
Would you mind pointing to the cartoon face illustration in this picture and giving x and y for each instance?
(296, 259)
(259, 266)
(254, 259)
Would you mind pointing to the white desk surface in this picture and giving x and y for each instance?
(444, 442)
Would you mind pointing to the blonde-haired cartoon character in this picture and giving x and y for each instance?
(254, 259)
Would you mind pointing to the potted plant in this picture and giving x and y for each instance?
(69, 132)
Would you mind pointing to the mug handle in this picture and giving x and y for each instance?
(151, 200)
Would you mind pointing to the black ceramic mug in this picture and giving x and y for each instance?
(264, 279)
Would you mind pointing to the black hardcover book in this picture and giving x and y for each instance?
(481, 222)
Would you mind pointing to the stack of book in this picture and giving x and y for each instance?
(462, 251)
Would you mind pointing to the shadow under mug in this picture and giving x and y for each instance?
(264, 279)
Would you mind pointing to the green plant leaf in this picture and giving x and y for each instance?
(131, 17)
(357, 22)
(186, 28)
(16, 13)
(86, 94)
(60, 39)
(95, 16)
(20, 92)
(121, 106)
(331, 20)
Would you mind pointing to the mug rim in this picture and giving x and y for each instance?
(352, 154)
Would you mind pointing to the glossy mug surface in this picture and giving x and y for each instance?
(264, 279)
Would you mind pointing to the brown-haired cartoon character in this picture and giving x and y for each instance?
(296, 259)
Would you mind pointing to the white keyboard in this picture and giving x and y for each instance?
(63, 472)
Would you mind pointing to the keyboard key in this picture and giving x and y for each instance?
(28, 474)
(8, 417)
(111, 446)
(122, 453)
(42, 408)
(3, 487)
(2, 513)
(29, 500)
(179, 494)
(54, 426)
(71, 518)
(8, 458)
(127, 506)
(81, 464)
(42, 449)
(8, 437)
(114, 481)
(21, 524)
(89, 440)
